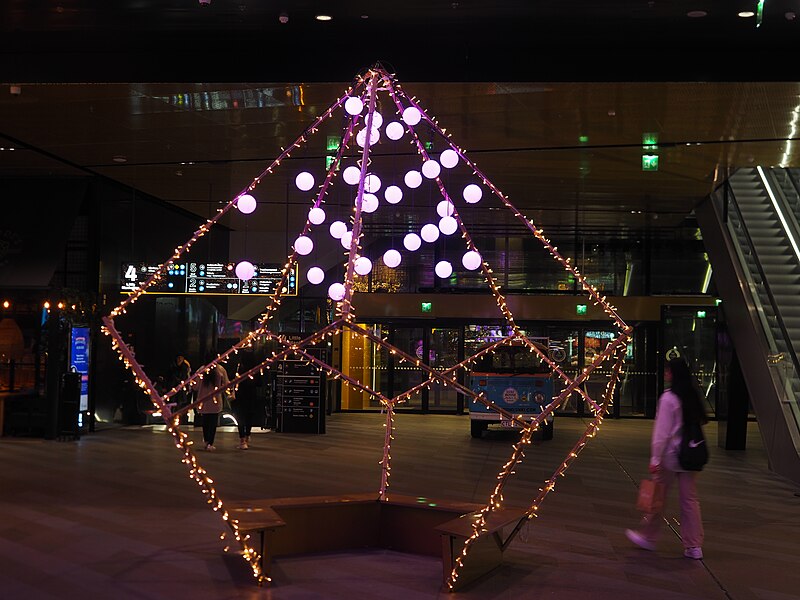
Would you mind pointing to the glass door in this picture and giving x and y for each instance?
(413, 341)
(442, 355)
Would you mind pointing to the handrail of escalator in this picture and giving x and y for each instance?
(792, 204)
(732, 204)
(790, 173)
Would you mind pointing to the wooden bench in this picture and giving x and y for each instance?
(314, 524)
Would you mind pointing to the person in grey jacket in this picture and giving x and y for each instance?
(212, 403)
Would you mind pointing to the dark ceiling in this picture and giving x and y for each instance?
(553, 100)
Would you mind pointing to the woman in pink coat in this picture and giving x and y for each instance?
(212, 403)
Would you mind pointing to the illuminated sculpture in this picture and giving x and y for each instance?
(363, 124)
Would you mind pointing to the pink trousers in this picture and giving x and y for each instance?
(691, 520)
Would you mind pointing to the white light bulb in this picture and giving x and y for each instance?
(304, 181)
(303, 245)
(430, 233)
(412, 242)
(448, 225)
(346, 239)
(445, 208)
(353, 105)
(449, 158)
(369, 203)
(362, 265)
(372, 183)
(413, 179)
(393, 194)
(394, 130)
(411, 115)
(245, 270)
(471, 260)
(351, 175)
(246, 204)
(336, 291)
(315, 275)
(443, 269)
(377, 120)
(316, 215)
(391, 258)
(472, 193)
(374, 136)
(337, 229)
(431, 169)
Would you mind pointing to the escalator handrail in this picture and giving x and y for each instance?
(793, 180)
(787, 206)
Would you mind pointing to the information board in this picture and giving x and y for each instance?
(299, 395)
(208, 278)
(79, 361)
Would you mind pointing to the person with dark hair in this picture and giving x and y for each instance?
(212, 402)
(245, 407)
(678, 405)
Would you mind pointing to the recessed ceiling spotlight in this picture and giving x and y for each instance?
(790, 16)
(323, 17)
(746, 14)
(120, 159)
(696, 13)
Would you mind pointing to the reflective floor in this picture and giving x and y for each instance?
(114, 515)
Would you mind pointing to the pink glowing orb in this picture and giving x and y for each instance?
(443, 269)
(472, 193)
(430, 233)
(449, 158)
(316, 215)
(377, 120)
(413, 179)
(372, 183)
(374, 136)
(246, 204)
(471, 260)
(336, 291)
(369, 203)
(411, 115)
(337, 229)
(245, 270)
(391, 258)
(431, 169)
(412, 242)
(304, 181)
(351, 175)
(445, 208)
(353, 105)
(393, 194)
(362, 265)
(315, 275)
(394, 130)
(448, 225)
(303, 245)
(346, 239)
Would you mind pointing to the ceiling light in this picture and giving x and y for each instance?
(696, 13)
(323, 17)
(746, 14)
(120, 159)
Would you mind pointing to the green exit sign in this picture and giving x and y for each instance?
(427, 306)
(580, 309)
(649, 162)
(701, 314)
(429, 146)
(333, 143)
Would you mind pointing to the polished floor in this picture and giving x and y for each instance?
(114, 515)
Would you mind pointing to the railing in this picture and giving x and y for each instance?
(18, 375)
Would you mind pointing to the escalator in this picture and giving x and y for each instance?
(750, 228)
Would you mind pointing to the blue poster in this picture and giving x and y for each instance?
(79, 361)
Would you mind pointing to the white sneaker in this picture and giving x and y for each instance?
(638, 539)
(242, 446)
(695, 553)
(210, 448)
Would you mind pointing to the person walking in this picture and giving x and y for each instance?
(680, 404)
(246, 405)
(212, 402)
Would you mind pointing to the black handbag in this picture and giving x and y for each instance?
(693, 453)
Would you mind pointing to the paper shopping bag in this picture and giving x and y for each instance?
(651, 497)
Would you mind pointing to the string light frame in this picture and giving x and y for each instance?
(366, 89)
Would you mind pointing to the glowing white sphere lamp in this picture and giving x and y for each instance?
(245, 270)
(377, 119)
(346, 239)
(316, 215)
(445, 208)
(351, 175)
(336, 291)
(391, 258)
(448, 225)
(369, 203)
(431, 169)
(472, 193)
(412, 242)
(337, 229)
(372, 183)
(246, 204)
(393, 194)
(353, 105)
(374, 136)
(303, 245)
(304, 181)
(448, 158)
(443, 269)
(430, 233)
(413, 179)
(411, 115)
(471, 260)
(394, 130)
(315, 275)
(362, 265)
